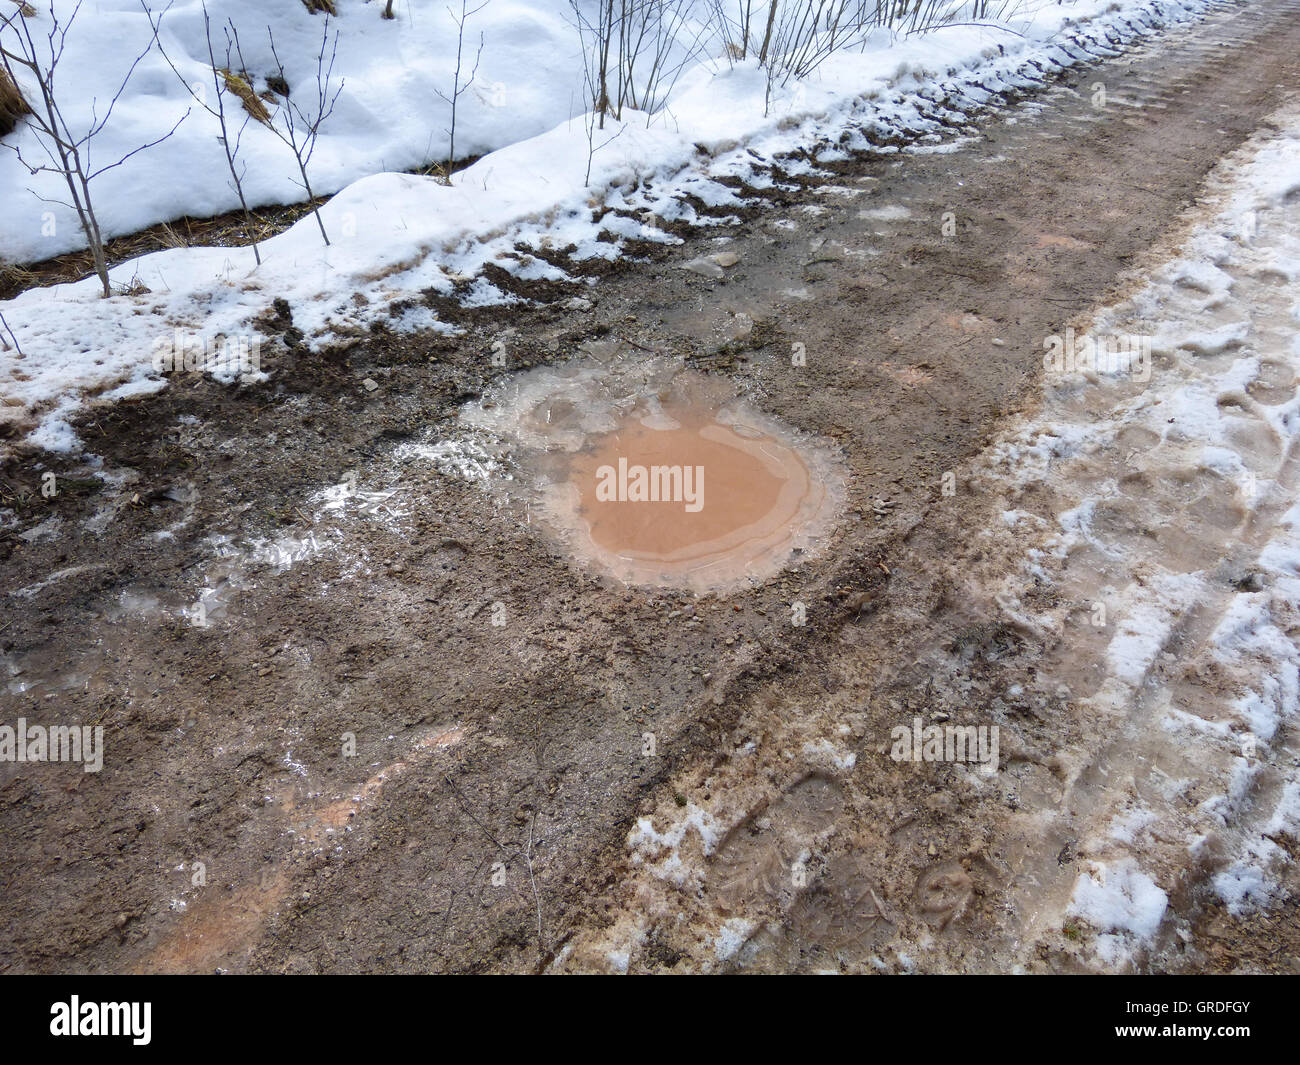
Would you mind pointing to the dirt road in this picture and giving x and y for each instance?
(362, 715)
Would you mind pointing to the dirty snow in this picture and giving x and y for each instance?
(1178, 520)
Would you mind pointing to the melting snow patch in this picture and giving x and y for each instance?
(1140, 636)
(891, 213)
(733, 935)
(1242, 888)
(1118, 898)
(825, 754)
(648, 844)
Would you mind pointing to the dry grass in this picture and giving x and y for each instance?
(253, 104)
(230, 230)
(321, 5)
(14, 278)
(442, 170)
(12, 105)
(169, 238)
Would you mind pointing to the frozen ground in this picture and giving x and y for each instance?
(553, 770)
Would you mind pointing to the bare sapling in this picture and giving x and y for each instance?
(734, 31)
(68, 154)
(635, 50)
(459, 87)
(298, 127)
(596, 39)
(592, 121)
(216, 109)
(656, 43)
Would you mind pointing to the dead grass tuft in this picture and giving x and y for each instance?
(238, 84)
(13, 278)
(12, 105)
(169, 238)
(321, 5)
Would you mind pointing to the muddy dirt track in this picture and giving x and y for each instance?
(499, 696)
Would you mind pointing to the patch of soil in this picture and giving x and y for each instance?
(266, 744)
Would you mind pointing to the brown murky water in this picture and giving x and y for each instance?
(660, 477)
(701, 503)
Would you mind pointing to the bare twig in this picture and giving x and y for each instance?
(69, 155)
(457, 87)
(10, 332)
(298, 129)
(217, 110)
(537, 898)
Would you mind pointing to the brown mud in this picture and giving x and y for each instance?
(412, 735)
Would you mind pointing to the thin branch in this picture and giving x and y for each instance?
(5, 324)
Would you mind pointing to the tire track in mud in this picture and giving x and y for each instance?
(1236, 540)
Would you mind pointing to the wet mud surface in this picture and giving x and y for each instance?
(364, 713)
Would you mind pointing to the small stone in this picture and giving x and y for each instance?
(858, 603)
(740, 327)
(704, 267)
(725, 258)
(370, 384)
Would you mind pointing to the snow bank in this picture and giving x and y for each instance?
(395, 235)
(389, 116)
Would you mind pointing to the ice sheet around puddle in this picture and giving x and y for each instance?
(653, 474)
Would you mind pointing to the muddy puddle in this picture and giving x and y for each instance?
(652, 474)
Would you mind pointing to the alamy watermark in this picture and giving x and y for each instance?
(1107, 353)
(57, 743)
(75, 1017)
(651, 484)
(221, 355)
(945, 743)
